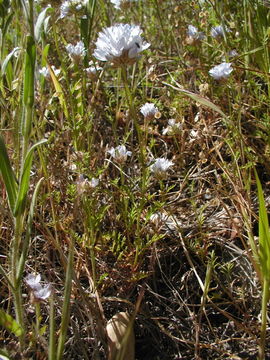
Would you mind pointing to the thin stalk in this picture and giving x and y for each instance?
(66, 305)
(52, 330)
(265, 299)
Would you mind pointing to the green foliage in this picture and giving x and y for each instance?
(8, 175)
(9, 323)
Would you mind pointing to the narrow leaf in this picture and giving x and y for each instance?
(264, 234)
(198, 98)
(25, 179)
(28, 232)
(8, 58)
(59, 90)
(9, 323)
(29, 72)
(40, 22)
(8, 175)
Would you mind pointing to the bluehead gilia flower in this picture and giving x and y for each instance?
(218, 32)
(173, 128)
(160, 167)
(120, 44)
(39, 292)
(119, 3)
(193, 33)
(44, 71)
(120, 153)
(221, 71)
(71, 6)
(149, 110)
(76, 52)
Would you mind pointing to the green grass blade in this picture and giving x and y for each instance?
(9, 323)
(29, 72)
(28, 232)
(40, 22)
(8, 175)
(198, 98)
(264, 234)
(25, 177)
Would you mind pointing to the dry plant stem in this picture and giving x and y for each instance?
(265, 299)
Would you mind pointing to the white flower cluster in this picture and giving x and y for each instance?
(218, 32)
(149, 110)
(160, 167)
(76, 52)
(119, 3)
(71, 6)
(193, 33)
(39, 292)
(44, 71)
(221, 71)
(173, 128)
(84, 184)
(120, 44)
(120, 153)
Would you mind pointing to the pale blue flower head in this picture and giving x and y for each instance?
(121, 44)
(221, 71)
(193, 33)
(119, 3)
(69, 7)
(120, 153)
(76, 52)
(149, 110)
(38, 291)
(160, 167)
(218, 32)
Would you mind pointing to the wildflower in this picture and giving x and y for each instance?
(232, 53)
(83, 184)
(39, 292)
(120, 153)
(149, 110)
(193, 33)
(218, 32)
(172, 128)
(92, 70)
(43, 292)
(160, 166)
(76, 52)
(33, 281)
(119, 3)
(120, 44)
(93, 183)
(45, 72)
(221, 71)
(71, 6)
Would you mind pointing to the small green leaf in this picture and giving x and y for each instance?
(25, 179)
(40, 22)
(8, 175)
(9, 323)
(8, 58)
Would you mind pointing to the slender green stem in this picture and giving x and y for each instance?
(66, 305)
(265, 299)
(52, 330)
